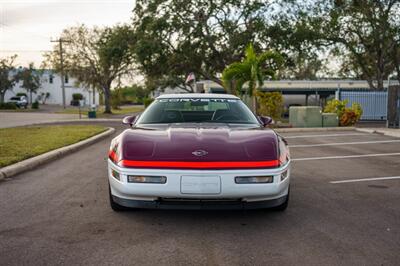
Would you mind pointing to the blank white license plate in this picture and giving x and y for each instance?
(200, 184)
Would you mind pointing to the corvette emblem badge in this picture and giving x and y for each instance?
(199, 153)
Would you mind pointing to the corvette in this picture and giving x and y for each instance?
(198, 151)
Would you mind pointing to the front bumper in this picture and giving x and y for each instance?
(185, 204)
(169, 195)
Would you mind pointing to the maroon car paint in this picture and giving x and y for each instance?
(199, 142)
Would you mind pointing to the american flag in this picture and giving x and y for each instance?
(191, 77)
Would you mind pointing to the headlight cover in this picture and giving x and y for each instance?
(147, 179)
(254, 179)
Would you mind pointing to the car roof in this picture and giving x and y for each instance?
(198, 95)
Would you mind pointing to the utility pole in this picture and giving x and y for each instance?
(60, 43)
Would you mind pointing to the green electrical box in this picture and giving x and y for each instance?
(305, 116)
(330, 120)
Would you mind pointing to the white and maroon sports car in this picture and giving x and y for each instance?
(196, 151)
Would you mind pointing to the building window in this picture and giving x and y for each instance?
(51, 77)
(66, 78)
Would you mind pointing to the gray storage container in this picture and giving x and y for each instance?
(330, 120)
(305, 116)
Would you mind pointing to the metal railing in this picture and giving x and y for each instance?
(373, 103)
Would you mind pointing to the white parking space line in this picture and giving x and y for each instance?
(343, 143)
(365, 179)
(325, 135)
(347, 156)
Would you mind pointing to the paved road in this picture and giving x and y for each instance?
(59, 214)
(14, 119)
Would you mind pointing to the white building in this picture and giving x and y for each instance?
(51, 83)
(167, 90)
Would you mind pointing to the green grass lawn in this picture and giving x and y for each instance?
(125, 110)
(20, 143)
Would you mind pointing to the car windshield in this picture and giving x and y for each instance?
(197, 110)
(15, 98)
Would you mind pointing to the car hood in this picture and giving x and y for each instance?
(200, 142)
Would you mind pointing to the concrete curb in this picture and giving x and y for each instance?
(50, 122)
(313, 129)
(76, 120)
(380, 131)
(33, 162)
(366, 130)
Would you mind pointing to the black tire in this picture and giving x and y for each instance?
(115, 206)
(284, 205)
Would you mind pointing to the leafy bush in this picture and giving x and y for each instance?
(22, 94)
(116, 98)
(357, 109)
(270, 104)
(348, 116)
(335, 106)
(129, 95)
(9, 106)
(77, 96)
(147, 101)
(35, 105)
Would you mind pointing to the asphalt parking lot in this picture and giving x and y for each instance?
(344, 210)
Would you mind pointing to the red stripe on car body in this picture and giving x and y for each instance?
(200, 165)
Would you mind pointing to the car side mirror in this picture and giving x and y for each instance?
(129, 120)
(265, 120)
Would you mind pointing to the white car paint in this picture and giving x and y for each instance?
(172, 188)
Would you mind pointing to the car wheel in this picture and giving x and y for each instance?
(284, 205)
(115, 206)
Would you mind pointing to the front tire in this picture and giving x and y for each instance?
(115, 206)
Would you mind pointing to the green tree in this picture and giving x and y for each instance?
(177, 37)
(31, 79)
(362, 32)
(7, 80)
(304, 65)
(133, 94)
(96, 57)
(396, 53)
(253, 70)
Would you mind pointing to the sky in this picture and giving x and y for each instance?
(28, 26)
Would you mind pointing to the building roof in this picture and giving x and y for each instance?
(198, 95)
(310, 85)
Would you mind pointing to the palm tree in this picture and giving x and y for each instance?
(253, 70)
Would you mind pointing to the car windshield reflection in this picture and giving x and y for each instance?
(198, 110)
